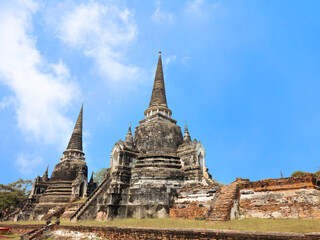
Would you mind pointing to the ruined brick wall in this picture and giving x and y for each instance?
(280, 184)
(194, 202)
(126, 233)
(294, 197)
(191, 211)
(20, 229)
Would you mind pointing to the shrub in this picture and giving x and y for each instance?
(298, 174)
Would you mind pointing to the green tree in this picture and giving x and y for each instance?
(12, 194)
(23, 185)
(100, 175)
(297, 174)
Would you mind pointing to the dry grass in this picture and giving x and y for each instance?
(151, 223)
(23, 222)
(12, 236)
(259, 225)
(81, 200)
(272, 225)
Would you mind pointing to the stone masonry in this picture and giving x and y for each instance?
(68, 182)
(194, 202)
(148, 169)
(158, 171)
(130, 233)
(295, 197)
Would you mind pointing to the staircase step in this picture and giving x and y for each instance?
(222, 207)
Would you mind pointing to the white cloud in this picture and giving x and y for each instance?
(170, 59)
(42, 91)
(102, 32)
(160, 15)
(61, 70)
(185, 59)
(200, 8)
(195, 6)
(6, 102)
(27, 164)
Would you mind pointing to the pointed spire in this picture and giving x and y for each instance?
(186, 137)
(158, 102)
(158, 97)
(45, 175)
(129, 138)
(76, 137)
(91, 179)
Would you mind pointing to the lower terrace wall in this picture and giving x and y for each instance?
(122, 233)
(294, 197)
(194, 202)
(192, 211)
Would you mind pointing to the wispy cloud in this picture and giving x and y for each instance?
(160, 15)
(170, 59)
(102, 32)
(199, 7)
(6, 102)
(194, 7)
(42, 90)
(185, 59)
(27, 164)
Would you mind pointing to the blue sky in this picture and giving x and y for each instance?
(244, 74)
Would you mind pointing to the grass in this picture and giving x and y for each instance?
(11, 235)
(272, 225)
(23, 222)
(259, 225)
(81, 200)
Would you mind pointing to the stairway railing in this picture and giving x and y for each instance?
(106, 181)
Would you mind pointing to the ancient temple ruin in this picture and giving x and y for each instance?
(159, 172)
(149, 168)
(68, 181)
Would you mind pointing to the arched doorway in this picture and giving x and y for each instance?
(81, 190)
(115, 159)
(201, 161)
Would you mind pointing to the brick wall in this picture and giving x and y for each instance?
(193, 202)
(21, 229)
(191, 211)
(280, 184)
(122, 233)
(294, 197)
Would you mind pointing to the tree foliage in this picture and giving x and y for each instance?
(100, 175)
(23, 185)
(12, 194)
(298, 174)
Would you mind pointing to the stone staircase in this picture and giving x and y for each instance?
(12, 215)
(58, 192)
(223, 205)
(70, 210)
(22, 213)
(103, 186)
(63, 211)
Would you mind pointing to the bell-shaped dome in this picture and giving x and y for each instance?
(158, 136)
(68, 170)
